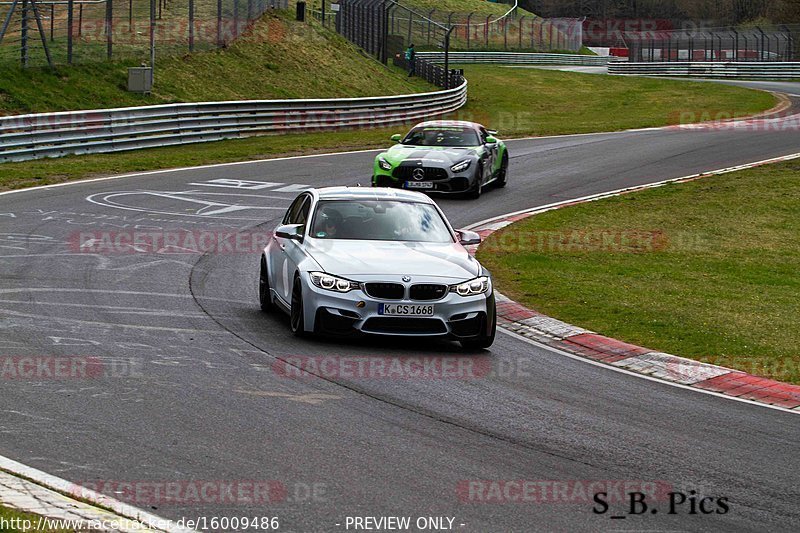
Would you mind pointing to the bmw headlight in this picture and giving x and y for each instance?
(462, 166)
(384, 164)
(332, 283)
(472, 287)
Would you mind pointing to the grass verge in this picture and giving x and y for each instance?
(517, 102)
(280, 58)
(705, 269)
(21, 522)
(530, 101)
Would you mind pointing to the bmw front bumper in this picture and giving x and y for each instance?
(356, 312)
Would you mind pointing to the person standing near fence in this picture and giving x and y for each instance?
(411, 60)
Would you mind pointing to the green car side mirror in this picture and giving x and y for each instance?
(396, 137)
(491, 140)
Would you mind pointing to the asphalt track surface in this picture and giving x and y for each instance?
(206, 402)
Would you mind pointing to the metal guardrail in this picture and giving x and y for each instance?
(26, 137)
(769, 70)
(516, 58)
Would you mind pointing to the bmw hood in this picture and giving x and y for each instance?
(430, 156)
(354, 258)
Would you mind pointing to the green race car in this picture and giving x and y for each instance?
(444, 157)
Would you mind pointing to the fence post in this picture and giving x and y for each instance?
(80, 20)
(191, 25)
(410, 26)
(109, 27)
(469, 27)
(486, 29)
(52, 18)
(153, 34)
(219, 24)
(520, 27)
(130, 16)
(24, 35)
(430, 18)
(70, 12)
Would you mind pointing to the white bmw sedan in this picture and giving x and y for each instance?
(378, 261)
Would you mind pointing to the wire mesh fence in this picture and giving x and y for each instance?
(87, 31)
(475, 32)
(758, 43)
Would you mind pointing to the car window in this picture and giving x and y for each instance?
(442, 136)
(379, 220)
(291, 213)
(298, 211)
(302, 214)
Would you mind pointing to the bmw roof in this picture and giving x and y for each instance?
(369, 193)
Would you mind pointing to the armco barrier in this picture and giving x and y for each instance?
(517, 58)
(757, 70)
(26, 137)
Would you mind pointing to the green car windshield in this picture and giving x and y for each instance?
(439, 136)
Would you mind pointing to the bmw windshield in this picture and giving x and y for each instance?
(441, 136)
(379, 220)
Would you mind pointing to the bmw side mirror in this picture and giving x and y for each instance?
(290, 231)
(491, 140)
(467, 238)
(396, 137)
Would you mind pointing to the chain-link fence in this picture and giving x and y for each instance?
(472, 31)
(86, 31)
(714, 44)
(368, 24)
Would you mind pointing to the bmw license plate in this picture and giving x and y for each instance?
(405, 310)
(419, 185)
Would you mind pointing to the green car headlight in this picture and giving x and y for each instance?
(384, 164)
(462, 166)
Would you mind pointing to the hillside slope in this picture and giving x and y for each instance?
(279, 59)
(462, 6)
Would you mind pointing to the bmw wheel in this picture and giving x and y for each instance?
(264, 296)
(296, 317)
